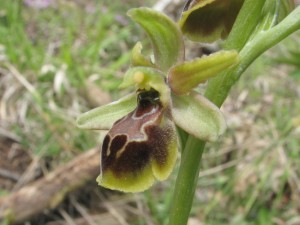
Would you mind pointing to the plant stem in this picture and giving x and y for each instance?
(219, 86)
(244, 25)
(267, 39)
(186, 182)
(217, 91)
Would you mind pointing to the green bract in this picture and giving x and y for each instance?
(141, 145)
(272, 14)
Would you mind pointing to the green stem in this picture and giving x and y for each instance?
(186, 182)
(245, 23)
(267, 39)
(219, 86)
(217, 91)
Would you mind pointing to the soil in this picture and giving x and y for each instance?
(14, 160)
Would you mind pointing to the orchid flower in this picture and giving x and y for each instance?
(210, 20)
(142, 144)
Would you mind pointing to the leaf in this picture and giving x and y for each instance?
(198, 116)
(184, 77)
(164, 34)
(103, 117)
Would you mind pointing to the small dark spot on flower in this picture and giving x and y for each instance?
(135, 158)
(118, 143)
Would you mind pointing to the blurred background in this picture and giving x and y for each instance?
(59, 58)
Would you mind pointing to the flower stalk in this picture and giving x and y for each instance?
(186, 181)
(217, 91)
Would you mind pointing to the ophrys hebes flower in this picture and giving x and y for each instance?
(141, 145)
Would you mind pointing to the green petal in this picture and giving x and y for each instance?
(137, 59)
(164, 34)
(184, 77)
(103, 117)
(209, 20)
(198, 116)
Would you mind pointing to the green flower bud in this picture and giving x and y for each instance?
(209, 20)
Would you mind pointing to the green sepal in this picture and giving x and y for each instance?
(137, 58)
(198, 116)
(103, 117)
(184, 77)
(147, 78)
(209, 20)
(165, 36)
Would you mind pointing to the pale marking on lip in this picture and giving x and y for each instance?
(120, 152)
(144, 139)
(134, 117)
(142, 130)
(108, 147)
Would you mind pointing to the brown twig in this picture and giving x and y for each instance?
(48, 192)
(9, 175)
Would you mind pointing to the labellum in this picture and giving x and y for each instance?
(140, 147)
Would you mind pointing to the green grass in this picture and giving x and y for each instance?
(69, 54)
(61, 52)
